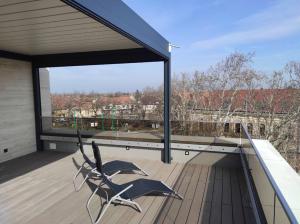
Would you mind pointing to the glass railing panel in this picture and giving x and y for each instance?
(105, 127)
(280, 215)
(189, 132)
(266, 191)
(264, 188)
(204, 132)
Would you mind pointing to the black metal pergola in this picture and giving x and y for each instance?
(80, 32)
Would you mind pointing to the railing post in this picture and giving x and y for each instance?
(37, 106)
(167, 93)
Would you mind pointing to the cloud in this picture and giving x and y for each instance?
(280, 11)
(279, 21)
(217, 2)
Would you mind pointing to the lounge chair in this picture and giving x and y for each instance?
(110, 168)
(125, 193)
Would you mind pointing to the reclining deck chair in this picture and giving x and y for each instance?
(109, 169)
(125, 193)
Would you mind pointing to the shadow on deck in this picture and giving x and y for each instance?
(25, 164)
(216, 193)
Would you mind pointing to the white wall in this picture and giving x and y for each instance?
(45, 98)
(17, 124)
(45, 93)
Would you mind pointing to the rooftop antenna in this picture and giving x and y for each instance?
(171, 46)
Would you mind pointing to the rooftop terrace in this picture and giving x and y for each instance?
(214, 191)
(222, 180)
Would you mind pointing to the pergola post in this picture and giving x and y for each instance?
(167, 127)
(37, 106)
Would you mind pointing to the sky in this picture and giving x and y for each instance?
(206, 32)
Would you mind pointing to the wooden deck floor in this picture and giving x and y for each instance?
(38, 189)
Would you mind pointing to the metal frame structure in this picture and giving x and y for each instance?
(117, 16)
(37, 106)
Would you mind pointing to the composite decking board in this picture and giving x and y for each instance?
(238, 213)
(55, 201)
(198, 197)
(248, 212)
(28, 210)
(188, 198)
(168, 203)
(22, 186)
(176, 204)
(80, 216)
(136, 217)
(147, 199)
(157, 203)
(205, 211)
(216, 209)
(227, 214)
(226, 198)
(28, 163)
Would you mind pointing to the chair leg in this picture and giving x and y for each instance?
(88, 203)
(80, 186)
(103, 211)
(144, 172)
(114, 198)
(75, 177)
(141, 170)
(130, 202)
(174, 192)
(111, 176)
(178, 195)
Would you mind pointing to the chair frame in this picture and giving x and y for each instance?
(118, 199)
(93, 169)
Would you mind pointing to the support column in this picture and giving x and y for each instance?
(167, 127)
(37, 106)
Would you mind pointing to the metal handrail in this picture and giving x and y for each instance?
(273, 183)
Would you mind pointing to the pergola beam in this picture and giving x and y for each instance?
(96, 58)
(37, 106)
(15, 56)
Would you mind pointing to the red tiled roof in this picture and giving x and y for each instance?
(276, 100)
